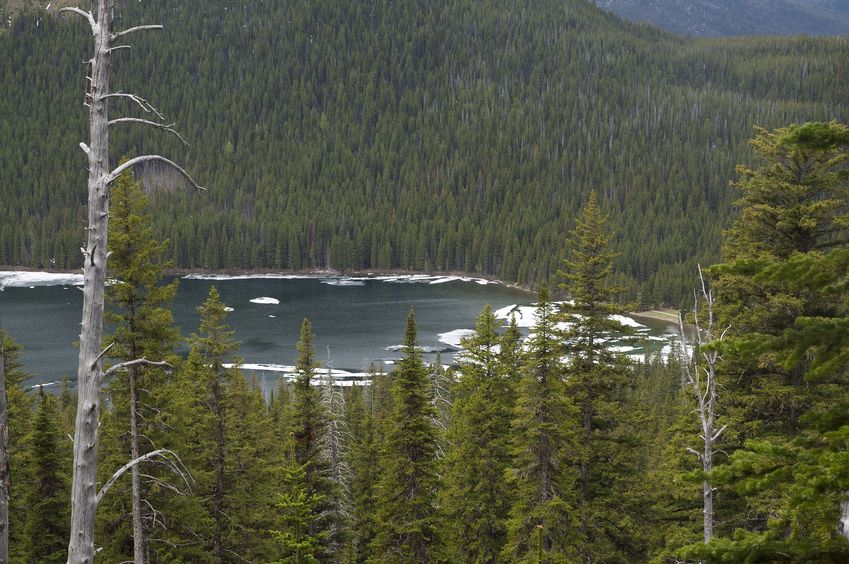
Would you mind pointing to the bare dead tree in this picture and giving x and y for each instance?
(84, 497)
(701, 378)
(334, 446)
(4, 458)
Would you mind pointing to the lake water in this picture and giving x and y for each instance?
(360, 320)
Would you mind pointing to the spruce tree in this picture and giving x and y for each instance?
(143, 327)
(598, 381)
(476, 495)
(406, 508)
(310, 482)
(543, 525)
(788, 351)
(48, 498)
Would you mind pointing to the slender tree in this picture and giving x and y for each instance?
(46, 526)
(5, 481)
(407, 495)
(476, 509)
(84, 497)
(598, 380)
(543, 525)
(143, 328)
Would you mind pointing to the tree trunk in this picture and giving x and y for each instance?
(4, 460)
(83, 487)
(218, 496)
(135, 474)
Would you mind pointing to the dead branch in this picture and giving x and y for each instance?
(87, 15)
(103, 352)
(122, 365)
(143, 104)
(120, 472)
(115, 36)
(132, 162)
(167, 127)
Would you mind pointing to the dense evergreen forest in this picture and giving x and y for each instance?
(544, 449)
(445, 136)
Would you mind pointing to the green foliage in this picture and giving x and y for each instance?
(311, 477)
(477, 160)
(786, 304)
(598, 381)
(476, 510)
(406, 497)
(48, 499)
(543, 516)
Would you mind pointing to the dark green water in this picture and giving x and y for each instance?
(357, 321)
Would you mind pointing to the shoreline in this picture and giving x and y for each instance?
(306, 273)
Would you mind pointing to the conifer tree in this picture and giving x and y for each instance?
(543, 525)
(143, 327)
(310, 481)
(407, 495)
(364, 462)
(783, 292)
(598, 380)
(48, 498)
(476, 495)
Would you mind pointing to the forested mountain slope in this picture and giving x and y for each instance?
(711, 18)
(446, 135)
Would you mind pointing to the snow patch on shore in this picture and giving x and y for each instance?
(21, 279)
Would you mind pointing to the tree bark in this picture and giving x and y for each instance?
(84, 484)
(4, 460)
(135, 474)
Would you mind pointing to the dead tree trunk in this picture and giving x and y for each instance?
(4, 459)
(702, 380)
(89, 373)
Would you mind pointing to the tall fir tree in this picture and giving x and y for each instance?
(408, 487)
(476, 495)
(783, 293)
(543, 525)
(598, 381)
(309, 481)
(142, 326)
(46, 527)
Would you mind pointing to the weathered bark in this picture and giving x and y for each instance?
(5, 482)
(83, 486)
(84, 497)
(135, 476)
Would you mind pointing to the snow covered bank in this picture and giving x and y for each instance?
(21, 279)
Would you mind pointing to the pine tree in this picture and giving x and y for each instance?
(476, 496)
(46, 527)
(310, 464)
(783, 297)
(598, 381)
(143, 327)
(408, 486)
(363, 456)
(543, 525)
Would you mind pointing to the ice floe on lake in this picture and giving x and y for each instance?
(341, 280)
(263, 300)
(454, 338)
(21, 279)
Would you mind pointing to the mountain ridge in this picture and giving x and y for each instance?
(719, 18)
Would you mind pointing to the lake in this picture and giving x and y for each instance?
(360, 321)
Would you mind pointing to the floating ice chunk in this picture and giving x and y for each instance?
(228, 309)
(626, 321)
(622, 349)
(272, 316)
(421, 349)
(453, 338)
(343, 281)
(266, 276)
(265, 301)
